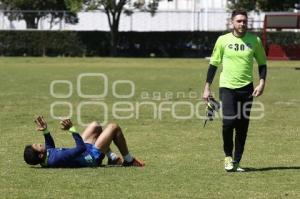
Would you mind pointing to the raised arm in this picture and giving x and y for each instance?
(42, 126)
(80, 146)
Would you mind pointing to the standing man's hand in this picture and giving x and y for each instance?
(259, 89)
(66, 124)
(41, 123)
(206, 92)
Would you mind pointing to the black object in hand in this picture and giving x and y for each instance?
(211, 107)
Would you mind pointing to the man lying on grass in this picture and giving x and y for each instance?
(90, 149)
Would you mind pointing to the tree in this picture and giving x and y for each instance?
(28, 10)
(265, 5)
(113, 10)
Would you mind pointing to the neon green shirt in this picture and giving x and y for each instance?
(236, 55)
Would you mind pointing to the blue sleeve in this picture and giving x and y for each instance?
(80, 146)
(71, 153)
(49, 142)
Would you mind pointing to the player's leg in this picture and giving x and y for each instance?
(229, 109)
(241, 134)
(243, 122)
(229, 116)
(114, 133)
(92, 132)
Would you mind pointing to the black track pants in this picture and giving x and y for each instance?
(236, 107)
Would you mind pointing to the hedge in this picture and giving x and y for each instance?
(131, 44)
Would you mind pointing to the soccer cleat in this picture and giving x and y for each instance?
(117, 162)
(228, 164)
(134, 163)
(237, 168)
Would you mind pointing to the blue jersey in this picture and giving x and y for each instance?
(83, 155)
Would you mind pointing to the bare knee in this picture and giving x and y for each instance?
(95, 125)
(113, 126)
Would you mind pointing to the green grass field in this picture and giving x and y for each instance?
(183, 159)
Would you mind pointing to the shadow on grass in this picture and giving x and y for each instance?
(251, 169)
(101, 166)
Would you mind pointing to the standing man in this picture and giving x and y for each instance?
(235, 52)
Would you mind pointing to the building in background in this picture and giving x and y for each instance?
(172, 15)
(193, 5)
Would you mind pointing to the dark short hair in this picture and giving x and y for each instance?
(238, 12)
(31, 156)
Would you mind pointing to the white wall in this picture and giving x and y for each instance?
(193, 5)
(178, 15)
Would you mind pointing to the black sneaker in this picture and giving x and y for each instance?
(134, 163)
(117, 162)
